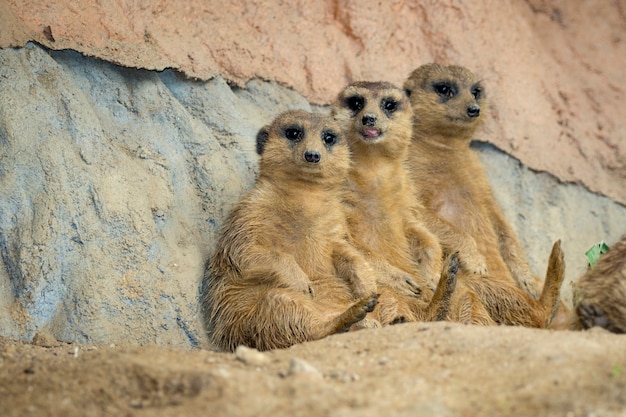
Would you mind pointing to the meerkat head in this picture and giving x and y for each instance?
(374, 115)
(446, 100)
(303, 146)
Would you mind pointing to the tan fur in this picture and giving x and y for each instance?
(449, 105)
(382, 221)
(600, 295)
(284, 271)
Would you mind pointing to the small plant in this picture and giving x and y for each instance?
(617, 371)
(595, 252)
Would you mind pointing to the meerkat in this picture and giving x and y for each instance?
(449, 105)
(600, 294)
(283, 271)
(376, 118)
(377, 122)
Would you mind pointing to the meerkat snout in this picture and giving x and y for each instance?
(473, 110)
(369, 120)
(312, 156)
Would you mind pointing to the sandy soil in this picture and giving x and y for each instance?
(416, 369)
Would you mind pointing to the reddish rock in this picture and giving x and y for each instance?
(554, 69)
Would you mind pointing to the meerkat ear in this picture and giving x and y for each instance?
(261, 139)
(408, 86)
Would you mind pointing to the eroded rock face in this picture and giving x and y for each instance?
(114, 183)
(555, 68)
(113, 186)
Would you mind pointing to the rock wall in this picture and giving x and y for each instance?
(114, 183)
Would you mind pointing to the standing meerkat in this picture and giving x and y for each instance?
(284, 271)
(377, 120)
(601, 293)
(449, 105)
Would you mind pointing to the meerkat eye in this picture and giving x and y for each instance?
(389, 105)
(294, 133)
(329, 137)
(477, 92)
(355, 103)
(444, 89)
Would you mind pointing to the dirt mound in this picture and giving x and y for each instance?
(411, 369)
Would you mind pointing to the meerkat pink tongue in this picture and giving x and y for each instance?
(370, 132)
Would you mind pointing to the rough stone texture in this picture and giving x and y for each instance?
(114, 182)
(541, 209)
(555, 68)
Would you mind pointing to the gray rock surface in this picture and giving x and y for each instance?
(542, 209)
(114, 182)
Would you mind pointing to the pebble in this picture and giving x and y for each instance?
(45, 340)
(299, 366)
(343, 376)
(598, 330)
(251, 356)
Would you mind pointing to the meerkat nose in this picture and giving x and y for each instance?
(312, 156)
(473, 110)
(369, 120)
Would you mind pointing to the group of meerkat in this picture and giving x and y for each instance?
(375, 214)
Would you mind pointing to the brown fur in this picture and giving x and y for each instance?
(377, 121)
(600, 296)
(284, 271)
(449, 105)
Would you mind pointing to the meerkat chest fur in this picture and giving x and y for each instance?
(297, 206)
(455, 187)
(377, 121)
(449, 106)
(308, 221)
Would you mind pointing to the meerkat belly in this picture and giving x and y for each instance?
(460, 209)
(380, 228)
(457, 207)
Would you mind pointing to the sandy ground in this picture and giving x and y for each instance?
(416, 369)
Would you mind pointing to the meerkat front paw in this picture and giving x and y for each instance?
(529, 284)
(475, 265)
(363, 288)
(303, 286)
(412, 286)
(404, 285)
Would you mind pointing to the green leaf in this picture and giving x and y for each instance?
(595, 252)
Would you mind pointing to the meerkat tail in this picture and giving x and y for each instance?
(440, 304)
(555, 275)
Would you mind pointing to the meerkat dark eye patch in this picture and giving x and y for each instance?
(445, 89)
(355, 103)
(477, 92)
(329, 137)
(389, 105)
(294, 133)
